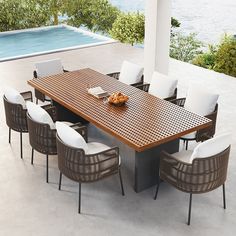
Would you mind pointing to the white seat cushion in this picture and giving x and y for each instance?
(200, 101)
(95, 147)
(70, 136)
(130, 73)
(162, 86)
(47, 98)
(38, 114)
(212, 146)
(50, 67)
(184, 156)
(190, 136)
(67, 123)
(14, 96)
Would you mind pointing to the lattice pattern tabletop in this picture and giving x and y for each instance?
(144, 122)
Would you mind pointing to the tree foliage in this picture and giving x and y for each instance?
(175, 23)
(96, 15)
(185, 47)
(56, 8)
(23, 14)
(129, 28)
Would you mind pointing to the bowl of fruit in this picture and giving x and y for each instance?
(118, 99)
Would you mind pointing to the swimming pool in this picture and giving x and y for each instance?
(31, 42)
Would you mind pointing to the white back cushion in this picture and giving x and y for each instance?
(38, 114)
(47, 68)
(212, 146)
(130, 73)
(14, 96)
(200, 101)
(162, 86)
(71, 137)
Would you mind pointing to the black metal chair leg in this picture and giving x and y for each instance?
(47, 168)
(32, 156)
(79, 209)
(9, 140)
(60, 178)
(37, 101)
(158, 184)
(21, 151)
(190, 209)
(186, 144)
(224, 199)
(121, 184)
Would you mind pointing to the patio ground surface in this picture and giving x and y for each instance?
(29, 206)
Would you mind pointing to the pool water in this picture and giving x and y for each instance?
(20, 44)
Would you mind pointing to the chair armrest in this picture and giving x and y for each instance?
(179, 101)
(35, 74)
(207, 133)
(52, 111)
(141, 82)
(144, 87)
(81, 129)
(166, 157)
(107, 151)
(27, 96)
(107, 160)
(115, 75)
(172, 97)
(174, 171)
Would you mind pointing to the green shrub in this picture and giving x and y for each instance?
(221, 57)
(185, 47)
(206, 60)
(226, 56)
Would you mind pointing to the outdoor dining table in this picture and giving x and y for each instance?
(146, 124)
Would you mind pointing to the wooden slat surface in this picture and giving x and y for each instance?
(144, 122)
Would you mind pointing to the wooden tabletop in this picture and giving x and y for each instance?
(144, 122)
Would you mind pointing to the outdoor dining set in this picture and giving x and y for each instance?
(152, 123)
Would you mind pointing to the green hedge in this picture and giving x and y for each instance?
(221, 57)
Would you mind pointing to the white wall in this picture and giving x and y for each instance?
(157, 37)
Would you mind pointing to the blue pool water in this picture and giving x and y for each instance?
(49, 39)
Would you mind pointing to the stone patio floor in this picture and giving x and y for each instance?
(29, 206)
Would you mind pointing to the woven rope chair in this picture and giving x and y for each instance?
(40, 96)
(145, 88)
(82, 168)
(203, 134)
(16, 117)
(116, 75)
(51, 63)
(201, 176)
(42, 138)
